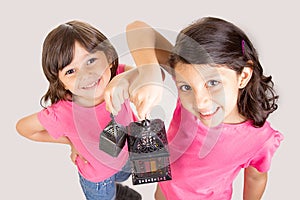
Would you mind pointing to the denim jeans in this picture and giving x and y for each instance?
(104, 190)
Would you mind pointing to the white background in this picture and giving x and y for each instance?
(35, 171)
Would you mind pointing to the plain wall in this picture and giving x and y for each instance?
(31, 170)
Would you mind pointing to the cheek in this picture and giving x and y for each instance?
(69, 84)
(105, 78)
(220, 97)
(231, 100)
(186, 99)
(107, 75)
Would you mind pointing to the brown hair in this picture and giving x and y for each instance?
(58, 50)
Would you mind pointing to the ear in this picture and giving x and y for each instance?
(245, 77)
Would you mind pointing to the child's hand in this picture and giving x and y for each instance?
(75, 154)
(146, 90)
(116, 92)
(143, 85)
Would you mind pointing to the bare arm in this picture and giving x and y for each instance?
(158, 195)
(31, 128)
(143, 85)
(150, 50)
(146, 45)
(254, 184)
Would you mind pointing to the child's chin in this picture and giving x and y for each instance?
(211, 123)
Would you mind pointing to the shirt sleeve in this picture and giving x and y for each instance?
(51, 122)
(262, 159)
(121, 69)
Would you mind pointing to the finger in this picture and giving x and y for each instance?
(73, 157)
(143, 109)
(121, 96)
(83, 159)
(116, 102)
(133, 99)
(109, 105)
(125, 94)
(107, 99)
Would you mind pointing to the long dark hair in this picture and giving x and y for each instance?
(217, 42)
(58, 50)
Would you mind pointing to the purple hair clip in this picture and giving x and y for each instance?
(243, 47)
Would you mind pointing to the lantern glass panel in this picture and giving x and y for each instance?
(148, 151)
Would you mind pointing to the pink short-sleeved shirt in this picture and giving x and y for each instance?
(204, 162)
(83, 127)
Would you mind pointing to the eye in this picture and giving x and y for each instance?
(70, 71)
(185, 88)
(212, 83)
(90, 61)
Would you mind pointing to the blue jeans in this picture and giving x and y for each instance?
(104, 190)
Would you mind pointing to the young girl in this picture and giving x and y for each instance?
(79, 61)
(219, 125)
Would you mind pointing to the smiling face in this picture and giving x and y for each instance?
(86, 76)
(210, 93)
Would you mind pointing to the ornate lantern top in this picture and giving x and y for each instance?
(147, 139)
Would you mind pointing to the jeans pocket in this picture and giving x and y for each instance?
(104, 190)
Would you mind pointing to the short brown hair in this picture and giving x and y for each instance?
(58, 50)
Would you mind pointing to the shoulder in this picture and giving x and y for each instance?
(274, 135)
(122, 68)
(265, 136)
(267, 129)
(176, 119)
(62, 104)
(263, 148)
(57, 109)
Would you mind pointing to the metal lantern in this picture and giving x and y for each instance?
(149, 156)
(112, 138)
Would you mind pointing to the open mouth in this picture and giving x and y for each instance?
(208, 114)
(91, 85)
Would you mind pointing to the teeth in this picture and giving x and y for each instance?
(90, 85)
(209, 112)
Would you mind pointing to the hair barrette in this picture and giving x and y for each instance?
(243, 47)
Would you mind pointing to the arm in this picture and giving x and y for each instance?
(150, 50)
(158, 195)
(31, 128)
(146, 45)
(117, 90)
(254, 183)
(144, 84)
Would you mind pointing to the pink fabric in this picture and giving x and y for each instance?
(204, 162)
(83, 127)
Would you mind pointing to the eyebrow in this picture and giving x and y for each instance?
(181, 82)
(208, 73)
(212, 76)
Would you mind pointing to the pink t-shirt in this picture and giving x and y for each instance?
(83, 127)
(205, 161)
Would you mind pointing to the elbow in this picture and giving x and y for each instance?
(22, 130)
(136, 25)
(19, 128)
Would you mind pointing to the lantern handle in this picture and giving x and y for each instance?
(146, 122)
(114, 124)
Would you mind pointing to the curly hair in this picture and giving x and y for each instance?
(215, 41)
(58, 52)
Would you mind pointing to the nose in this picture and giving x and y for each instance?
(86, 71)
(82, 74)
(202, 99)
